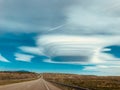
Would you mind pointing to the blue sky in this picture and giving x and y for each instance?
(65, 36)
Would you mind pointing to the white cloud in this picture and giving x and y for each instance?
(3, 59)
(23, 57)
(92, 17)
(61, 45)
(104, 70)
(32, 50)
(110, 66)
(82, 46)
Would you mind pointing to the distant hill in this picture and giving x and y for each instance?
(19, 71)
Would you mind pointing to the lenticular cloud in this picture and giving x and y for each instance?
(64, 48)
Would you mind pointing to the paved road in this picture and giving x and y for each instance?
(39, 84)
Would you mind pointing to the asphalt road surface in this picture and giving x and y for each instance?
(39, 84)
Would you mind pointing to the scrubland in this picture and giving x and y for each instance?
(86, 81)
(8, 77)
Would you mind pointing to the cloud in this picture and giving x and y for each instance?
(73, 49)
(32, 50)
(3, 59)
(64, 62)
(74, 17)
(23, 57)
(91, 26)
(92, 18)
(30, 16)
(104, 70)
(110, 63)
(66, 46)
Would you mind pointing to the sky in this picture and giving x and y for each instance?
(60, 36)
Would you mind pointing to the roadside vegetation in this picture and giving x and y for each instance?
(85, 81)
(8, 77)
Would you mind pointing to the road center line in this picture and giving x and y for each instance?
(46, 85)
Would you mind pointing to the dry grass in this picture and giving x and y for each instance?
(15, 77)
(86, 81)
